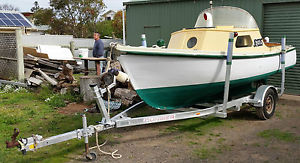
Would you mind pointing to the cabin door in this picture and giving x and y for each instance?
(153, 34)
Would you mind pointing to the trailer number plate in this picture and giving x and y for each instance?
(159, 118)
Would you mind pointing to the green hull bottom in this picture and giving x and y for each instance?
(168, 98)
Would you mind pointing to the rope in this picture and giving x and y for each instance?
(114, 154)
(108, 100)
(112, 45)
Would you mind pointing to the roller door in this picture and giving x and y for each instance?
(283, 19)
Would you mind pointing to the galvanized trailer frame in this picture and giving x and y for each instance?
(123, 120)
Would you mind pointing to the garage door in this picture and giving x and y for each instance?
(283, 19)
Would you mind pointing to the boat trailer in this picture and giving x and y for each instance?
(264, 100)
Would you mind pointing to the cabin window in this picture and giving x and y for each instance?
(192, 42)
(243, 41)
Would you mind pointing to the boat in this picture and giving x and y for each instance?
(192, 69)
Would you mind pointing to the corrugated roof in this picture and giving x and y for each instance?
(148, 1)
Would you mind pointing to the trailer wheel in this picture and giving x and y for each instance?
(268, 109)
(92, 156)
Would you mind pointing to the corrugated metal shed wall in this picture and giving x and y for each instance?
(283, 19)
(159, 19)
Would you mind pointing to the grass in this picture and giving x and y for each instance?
(204, 153)
(196, 126)
(193, 143)
(32, 113)
(58, 100)
(211, 152)
(256, 144)
(278, 114)
(145, 111)
(279, 135)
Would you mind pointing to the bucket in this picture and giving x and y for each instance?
(83, 52)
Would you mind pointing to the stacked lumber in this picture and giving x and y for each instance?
(48, 66)
(56, 73)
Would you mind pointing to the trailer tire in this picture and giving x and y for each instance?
(269, 105)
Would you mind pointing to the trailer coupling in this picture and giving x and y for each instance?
(13, 142)
(23, 143)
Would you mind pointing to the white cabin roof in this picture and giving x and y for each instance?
(225, 16)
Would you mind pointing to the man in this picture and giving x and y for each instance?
(98, 51)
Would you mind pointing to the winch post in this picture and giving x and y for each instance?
(282, 62)
(228, 72)
(85, 134)
(100, 103)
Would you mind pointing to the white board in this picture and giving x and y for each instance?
(56, 52)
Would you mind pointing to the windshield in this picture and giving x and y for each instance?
(225, 16)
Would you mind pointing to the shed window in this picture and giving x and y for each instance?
(243, 41)
(192, 42)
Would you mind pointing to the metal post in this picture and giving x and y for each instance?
(85, 134)
(20, 59)
(144, 42)
(282, 61)
(72, 48)
(228, 72)
(124, 32)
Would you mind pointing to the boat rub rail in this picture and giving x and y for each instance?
(202, 55)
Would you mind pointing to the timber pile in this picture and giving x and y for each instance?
(57, 73)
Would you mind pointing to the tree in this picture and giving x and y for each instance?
(118, 24)
(73, 17)
(104, 28)
(77, 15)
(43, 16)
(35, 7)
(8, 7)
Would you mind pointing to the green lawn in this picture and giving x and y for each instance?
(33, 112)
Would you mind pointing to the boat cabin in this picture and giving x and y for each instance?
(211, 32)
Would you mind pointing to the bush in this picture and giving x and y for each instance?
(59, 100)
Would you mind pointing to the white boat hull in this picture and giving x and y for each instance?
(163, 71)
(151, 74)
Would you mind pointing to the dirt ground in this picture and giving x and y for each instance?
(73, 108)
(239, 138)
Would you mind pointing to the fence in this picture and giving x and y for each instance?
(11, 55)
(11, 49)
(65, 41)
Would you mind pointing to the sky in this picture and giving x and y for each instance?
(26, 5)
